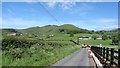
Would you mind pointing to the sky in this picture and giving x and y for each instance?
(87, 15)
(60, 0)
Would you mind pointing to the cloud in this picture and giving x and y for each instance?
(29, 0)
(105, 20)
(67, 5)
(62, 5)
(101, 24)
(82, 9)
(19, 23)
(51, 4)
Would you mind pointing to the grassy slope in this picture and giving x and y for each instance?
(50, 29)
(39, 30)
(47, 58)
(43, 55)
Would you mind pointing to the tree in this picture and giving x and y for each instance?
(18, 34)
(100, 32)
(71, 34)
(115, 40)
(104, 37)
(94, 37)
(109, 36)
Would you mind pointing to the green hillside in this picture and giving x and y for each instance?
(49, 29)
(58, 31)
(46, 30)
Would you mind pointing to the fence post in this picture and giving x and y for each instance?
(91, 47)
(119, 58)
(104, 52)
(107, 54)
(101, 51)
(98, 50)
(112, 56)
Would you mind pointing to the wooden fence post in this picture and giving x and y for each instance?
(98, 50)
(104, 52)
(101, 51)
(112, 56)
(107, 54)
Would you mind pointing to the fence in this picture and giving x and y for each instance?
(109, 57)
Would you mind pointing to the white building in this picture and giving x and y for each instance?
(99, 38)
(12, 34)
(85, 38)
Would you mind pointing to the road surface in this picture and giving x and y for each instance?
(79, 58)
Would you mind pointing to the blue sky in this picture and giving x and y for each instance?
(87, 15)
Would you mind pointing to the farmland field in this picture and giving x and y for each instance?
(75, 38)
(96, 42)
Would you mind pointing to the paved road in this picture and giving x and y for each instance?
(79, 58)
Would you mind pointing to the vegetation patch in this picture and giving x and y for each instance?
(42, 53)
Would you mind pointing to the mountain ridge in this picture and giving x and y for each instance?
(49, 29)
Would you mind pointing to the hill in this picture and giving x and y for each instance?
(46, 30)
(54, 30)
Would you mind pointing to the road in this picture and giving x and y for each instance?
(79, 58)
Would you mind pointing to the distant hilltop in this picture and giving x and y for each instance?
(52, 29)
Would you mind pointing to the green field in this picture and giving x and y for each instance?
(96, 42)
(43, 53)
(41, 57)
(65, 37)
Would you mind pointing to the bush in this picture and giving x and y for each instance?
(94, 37)
(16, 42)
(17, 53)
(71, 35)
(104, 37)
